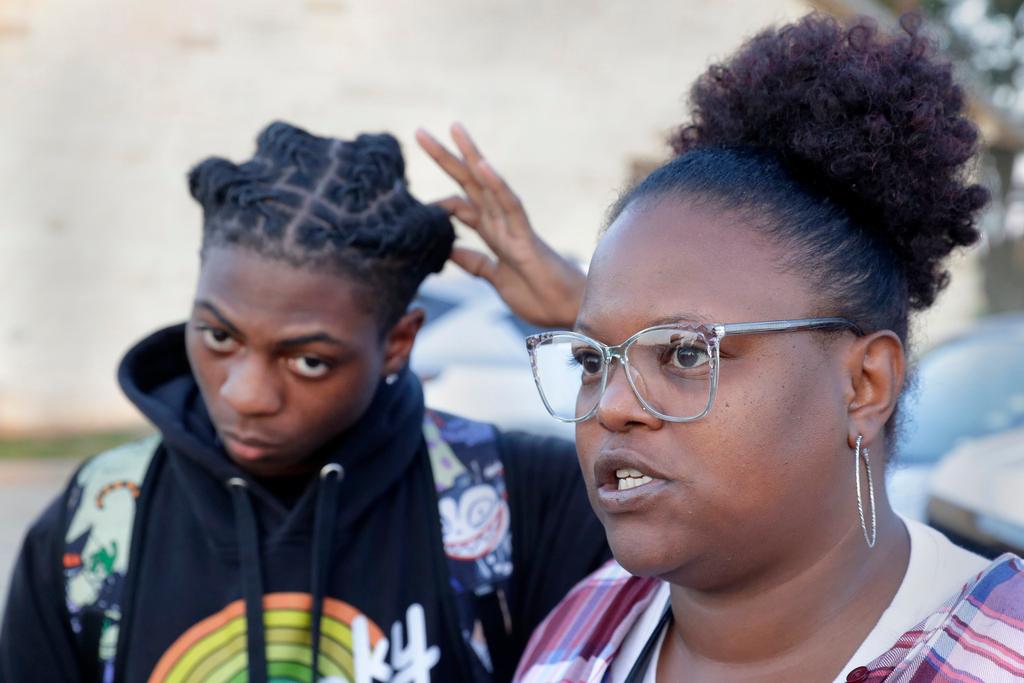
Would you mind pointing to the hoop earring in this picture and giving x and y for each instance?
(391, 379)
(858, 455)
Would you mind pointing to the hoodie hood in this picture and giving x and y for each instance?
(374, 453)
(243, 522)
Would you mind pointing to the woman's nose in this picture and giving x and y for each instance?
(620, 408)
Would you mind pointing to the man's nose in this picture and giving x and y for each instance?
(251, 387)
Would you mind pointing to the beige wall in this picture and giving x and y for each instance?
(105, 104)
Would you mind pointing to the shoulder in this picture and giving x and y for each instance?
(582, 634)
(99, 504)
(84, 502)
(122, 467)
(45, 529)
(998, 593)
(543, 473)
(989, 614)
(529, 451)
(979, 631)
(125, 463)
(128, 461)
(456, 428)
(519, 451)
(541, 444)
(100, 517)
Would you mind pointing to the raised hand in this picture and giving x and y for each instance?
(537, 283)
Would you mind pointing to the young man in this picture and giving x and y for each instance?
(298, 491)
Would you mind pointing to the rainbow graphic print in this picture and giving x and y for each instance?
(214, 650)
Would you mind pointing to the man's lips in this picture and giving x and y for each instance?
(248, 447)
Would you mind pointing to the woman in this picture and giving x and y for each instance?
(734, 375)
(298, 492)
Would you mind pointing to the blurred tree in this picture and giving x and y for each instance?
(985, 35)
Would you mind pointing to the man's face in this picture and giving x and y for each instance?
(285, 358)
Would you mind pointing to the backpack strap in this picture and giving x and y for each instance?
(472, 503)
(97, 546)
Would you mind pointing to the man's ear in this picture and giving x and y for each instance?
(876, 367)
(399, 341)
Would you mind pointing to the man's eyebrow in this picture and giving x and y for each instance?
(203, 303)
(312, 338)
(322, 337)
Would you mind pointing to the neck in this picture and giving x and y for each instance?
(828, 604)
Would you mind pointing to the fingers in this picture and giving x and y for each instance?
(448, 162)
(472, 169)
(475, 263)
(465, 143)
(483, 173)
(506, 216)
(489, 195)
(461, 208)
(503, 194)
(482, 199)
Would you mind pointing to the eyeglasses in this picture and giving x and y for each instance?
(672, 369)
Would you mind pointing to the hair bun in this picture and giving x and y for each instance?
(379, 156)
(209, 181)
(873, 122)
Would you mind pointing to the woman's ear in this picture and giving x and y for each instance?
(400, 339)
(876, 367)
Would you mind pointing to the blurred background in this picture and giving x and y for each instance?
(105, 105)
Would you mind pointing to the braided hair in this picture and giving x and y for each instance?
(333, 205)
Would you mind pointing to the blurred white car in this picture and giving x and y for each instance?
(967, 388)
(977, 493)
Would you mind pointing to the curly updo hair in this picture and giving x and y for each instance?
(333, 205)
(848, 146)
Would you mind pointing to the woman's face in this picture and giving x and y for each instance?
(285, 358)
(761, 481)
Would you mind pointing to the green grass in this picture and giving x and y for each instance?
(73, 446)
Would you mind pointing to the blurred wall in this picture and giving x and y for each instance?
(104, 105)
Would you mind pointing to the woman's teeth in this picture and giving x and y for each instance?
(630, 479)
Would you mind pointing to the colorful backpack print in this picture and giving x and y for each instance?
(97, 544)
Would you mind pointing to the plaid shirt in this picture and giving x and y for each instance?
(976, 636)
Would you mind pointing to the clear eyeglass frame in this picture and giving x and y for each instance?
(711, 334)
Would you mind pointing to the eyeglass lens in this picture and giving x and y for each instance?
(671, 370)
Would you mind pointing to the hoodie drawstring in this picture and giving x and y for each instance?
(323, 536)
(252, 578)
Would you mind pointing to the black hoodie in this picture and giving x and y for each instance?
(366, 549)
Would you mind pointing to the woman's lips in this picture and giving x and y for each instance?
(614, 499)
(630, 478)
(625, 482)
